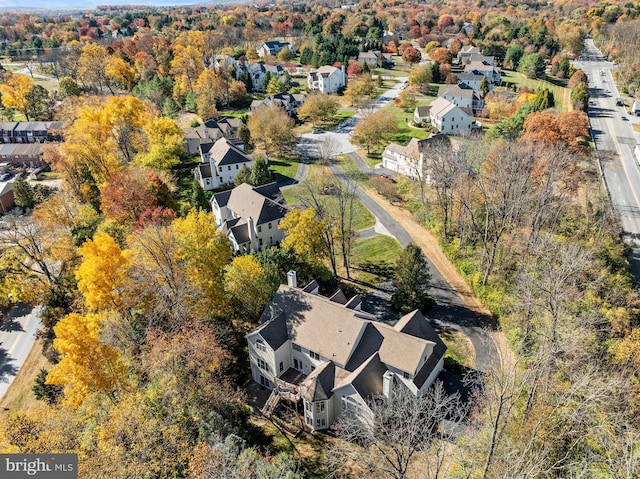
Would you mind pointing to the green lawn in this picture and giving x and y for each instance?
(349, 167)
(373, 255)
(284, 169)
(341, 115)
(560, 93)
(406, 132)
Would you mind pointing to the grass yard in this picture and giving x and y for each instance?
(362, 217)
(459, 347)
(560, 93)
(349, 167)
(284, 169)
(341, 115)
(19, 396)
(379, 251)
(406, 132)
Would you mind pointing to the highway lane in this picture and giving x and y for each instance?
(614, 139)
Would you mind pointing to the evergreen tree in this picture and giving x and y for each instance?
(306, 56)
(244, 176)
(260, 173)
(484, 86)
(170, 108)
(244, 134)
(411, 281)
(42, 390)
(199, 197)
(246, 79)
(265, 80)
(23, 194)
(435, 72)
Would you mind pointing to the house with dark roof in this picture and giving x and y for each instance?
(221, 163)
(334, 357)
(210, 132)
(288, 102)
(487, 69)
(462, 95)
(250, 215)
(274, 47)
(25, 154)
(31, 131)
(473, 78)
(257, 71)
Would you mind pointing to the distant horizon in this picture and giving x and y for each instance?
(93, 4)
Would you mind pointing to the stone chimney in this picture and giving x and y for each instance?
(292, 279)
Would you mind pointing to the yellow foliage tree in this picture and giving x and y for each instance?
(88, 365)
(105, 137)
(15, 93)
(104, 267)
(92, 67)
(246, 283)
(165, 144)
(120, 71)
(206, 252)
(304, 235)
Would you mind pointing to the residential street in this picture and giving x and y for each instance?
(451, 311)
(17, 335)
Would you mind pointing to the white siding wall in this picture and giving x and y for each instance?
(432, 377)
(269, 236)
(263, 362)
(462, 102)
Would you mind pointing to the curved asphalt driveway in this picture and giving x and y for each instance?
(450, 312)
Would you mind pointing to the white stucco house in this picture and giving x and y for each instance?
(221, 163)
(450, 119)
(250, 216)
(327, 79)
(334, 357)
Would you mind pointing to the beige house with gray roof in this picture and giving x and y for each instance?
(250, 216)
(333, 356)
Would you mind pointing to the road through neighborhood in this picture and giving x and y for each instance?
(452, 311)
(17, 335)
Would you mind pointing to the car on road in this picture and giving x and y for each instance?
(318, 131)
(5, 176)
(625, 118)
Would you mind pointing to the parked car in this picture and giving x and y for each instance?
(318, 131)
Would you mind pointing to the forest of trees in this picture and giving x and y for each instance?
(145, 308)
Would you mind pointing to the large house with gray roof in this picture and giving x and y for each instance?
(210, 132)
(221, 163)
(250, 216)
(334, 357)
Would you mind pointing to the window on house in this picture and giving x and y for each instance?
(237, 166)
(281, 366)
(296, 347)
(307, 406)
(221, 169)
(297, 364)
(269, 224)
(350, 405)
(260, 346)
(321, 422)
(406, 375)
(309, 421)
(314, 355)
(260, 242)
(263, 365)
(259, 228)
(229, 168)
(320, 406)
